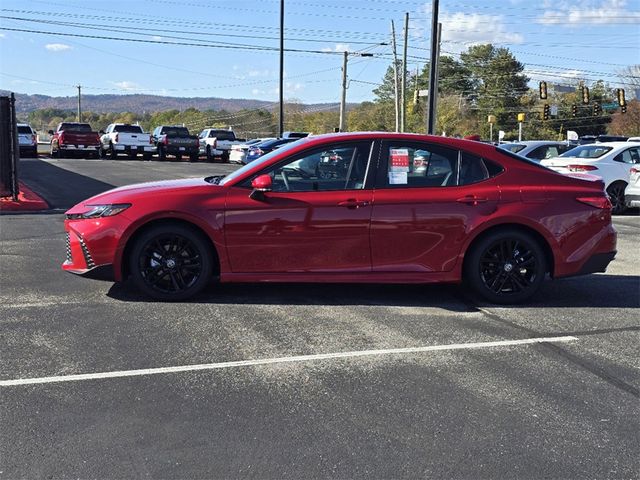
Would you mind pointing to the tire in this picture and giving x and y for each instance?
(162, 154)
(616, 195)
(506, 266)
(102, 153)
(171, 262)
(193, 157)
(209, 154)
(146, 156)
(113, 155)
(178, 157)
(225, 157)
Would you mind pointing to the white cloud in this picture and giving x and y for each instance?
(127, 85)
(259, 73)
(57, 47)
(338, 47)
(588, 12)
(156, 37)
(462, 30)
(563, 77)
(2, 35)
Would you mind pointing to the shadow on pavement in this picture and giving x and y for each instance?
(601, 290)
(59, 187)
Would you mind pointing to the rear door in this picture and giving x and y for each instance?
(427, 198)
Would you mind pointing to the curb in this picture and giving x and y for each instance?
(28, 201)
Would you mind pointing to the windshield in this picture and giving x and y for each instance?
(259, 162)
(586, 151)
(513, 147)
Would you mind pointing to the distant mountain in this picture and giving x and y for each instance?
(140, 103)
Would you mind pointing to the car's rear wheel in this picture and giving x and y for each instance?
(162, 154)
(178, 157)
(506, 266)
(193, 157)
(113, 155)
(171, 262)
(616, 195)
(146, 156)
(209, 154)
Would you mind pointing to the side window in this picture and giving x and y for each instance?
(635, 155)
(624, 157)
(472, 169)
(420, 166)
(334, 167)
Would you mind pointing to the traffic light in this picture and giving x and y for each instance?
(585, 95)
(623, 108)
(574, 110)
(543, 90)
(597, 110)
(545, 112)
(621, 100)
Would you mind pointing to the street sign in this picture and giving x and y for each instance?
(500, 134)
(423, 93)
(571, 135)
(554, 110)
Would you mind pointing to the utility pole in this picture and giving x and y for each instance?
(433, 69)
(79, 87)
(343, 98)
(281, 110)
(395, 75)
(403, 91)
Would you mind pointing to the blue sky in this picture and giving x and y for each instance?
(559, 41)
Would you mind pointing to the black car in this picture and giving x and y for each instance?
(256, 151)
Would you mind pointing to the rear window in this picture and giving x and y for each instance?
(128, 128)
(175, 131)
(24, 129)
(586, 151)
(222, 135)
(512, 147)
(76, 127)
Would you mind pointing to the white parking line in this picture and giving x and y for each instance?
(271, 361)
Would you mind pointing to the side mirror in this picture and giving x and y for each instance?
(50, 132)
(261, 184)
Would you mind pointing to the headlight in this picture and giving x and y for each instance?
(98, 211)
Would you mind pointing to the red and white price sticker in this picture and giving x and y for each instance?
(399, 160)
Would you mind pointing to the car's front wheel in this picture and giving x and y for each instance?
(506, 266)
(171, 262)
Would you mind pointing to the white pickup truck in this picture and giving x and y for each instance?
(215, 142)
(126, 139)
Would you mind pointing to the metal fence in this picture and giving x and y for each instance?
(9, 149)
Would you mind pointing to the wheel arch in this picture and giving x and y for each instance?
(122, 264)
(539, 238)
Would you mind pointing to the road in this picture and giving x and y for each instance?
(465, 399)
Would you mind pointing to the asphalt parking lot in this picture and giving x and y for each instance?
(305, 381)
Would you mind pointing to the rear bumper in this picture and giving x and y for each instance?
(135, 148)
(597, 263)
(632, 201)
(79, 148)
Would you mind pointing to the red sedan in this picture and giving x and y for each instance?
(401, 208)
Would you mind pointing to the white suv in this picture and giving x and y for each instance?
(27, 140)
(609, 160)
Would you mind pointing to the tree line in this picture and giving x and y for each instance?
(484, 80)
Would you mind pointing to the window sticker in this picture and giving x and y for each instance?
(399, 160)
(398, 178)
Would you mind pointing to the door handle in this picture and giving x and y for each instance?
(353, 203)
(472, 200)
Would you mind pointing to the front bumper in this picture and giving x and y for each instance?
(91, 246)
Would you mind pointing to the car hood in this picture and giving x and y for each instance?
(129, 193)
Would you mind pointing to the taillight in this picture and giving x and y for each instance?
(165, 139)
(599, 202)
(117, 136)
(150, 139)
(61, 138)
(634, 170)
(257, 151)
(215, 143)
(581, 168)
(198, 142)
(34, 140)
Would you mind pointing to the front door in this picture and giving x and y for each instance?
(315, 219)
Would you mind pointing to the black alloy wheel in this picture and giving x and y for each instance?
(616, 196)
(171, 262)
(506, 267)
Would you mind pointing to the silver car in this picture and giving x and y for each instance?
(27, 140)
